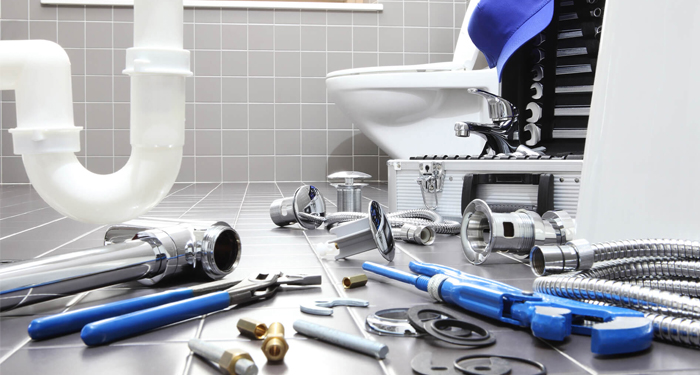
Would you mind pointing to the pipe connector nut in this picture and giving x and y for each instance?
(252, 328)
(555, 259)
(356, 281)
(275, 346)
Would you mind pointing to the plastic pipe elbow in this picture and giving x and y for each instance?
(81, 195)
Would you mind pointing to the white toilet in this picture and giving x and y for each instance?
(411, 110)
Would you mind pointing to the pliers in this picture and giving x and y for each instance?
(114, 321)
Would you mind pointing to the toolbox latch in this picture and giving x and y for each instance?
(431, 179)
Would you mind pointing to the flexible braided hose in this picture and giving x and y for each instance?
(654, 247)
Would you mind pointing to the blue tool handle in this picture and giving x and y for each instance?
(74, 321)
(420, 281)
(113, 329)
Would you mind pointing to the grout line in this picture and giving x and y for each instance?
(199, 201)
(175, 192)
(240, 208)
(579, 364)
(36, 227)
(24, 213)
(70, 242)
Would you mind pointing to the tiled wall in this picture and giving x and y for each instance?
(257, 108)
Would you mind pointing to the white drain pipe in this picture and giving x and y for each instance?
(47, 139)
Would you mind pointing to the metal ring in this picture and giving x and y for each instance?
(543, 369)
(484, 339)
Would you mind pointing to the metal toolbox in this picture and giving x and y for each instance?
(448, 184)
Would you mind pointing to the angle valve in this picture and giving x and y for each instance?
(306, 202)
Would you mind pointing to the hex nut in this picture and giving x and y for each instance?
(354, 281)
(228, 360)
(275, 346)
(252, 328)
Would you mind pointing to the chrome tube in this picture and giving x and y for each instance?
(140, 252)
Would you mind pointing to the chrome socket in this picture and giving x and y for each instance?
(484, 231)
(554, 259)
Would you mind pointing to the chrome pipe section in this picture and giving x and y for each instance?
(145, 251)
(581, 254)
(306, 207)
(418, 234)
(483, 231)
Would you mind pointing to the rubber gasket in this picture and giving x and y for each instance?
(543, 369)
(413, 317)
(484, 339)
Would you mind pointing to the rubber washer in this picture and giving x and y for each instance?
(420, 326)
(418, 323)
(436, 328)
(458, 366)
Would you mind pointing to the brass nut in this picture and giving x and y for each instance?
(252, 328)
(275, 346)
(355, 281)
(230, 357)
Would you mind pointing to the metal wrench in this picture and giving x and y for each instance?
(323, 307)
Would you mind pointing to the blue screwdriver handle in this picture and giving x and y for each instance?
(74, 321)
(117, 328)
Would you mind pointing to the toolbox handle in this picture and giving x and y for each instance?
(545, 182)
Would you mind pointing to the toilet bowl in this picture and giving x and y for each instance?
(411, 110)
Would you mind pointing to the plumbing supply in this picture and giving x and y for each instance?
(356, 281)
(339, 338)
(484, 231)
(131, 252)
(391, 322)
(275, 346)
(349, 192)
(613, 330)
(498, 364)
(233, 361)
(252, 328)
(582, 255)
(39, 71)
(418, 234)
(258, 286)
(323, 307)
(361, 235)
(303, 207)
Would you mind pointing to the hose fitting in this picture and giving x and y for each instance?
(275, 346)
(484, 231)
(418, 234)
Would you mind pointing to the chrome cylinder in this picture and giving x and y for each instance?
(349, 197)
(418, 234)
(140, 252)
(282, 213)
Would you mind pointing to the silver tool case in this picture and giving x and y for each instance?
(507, 183)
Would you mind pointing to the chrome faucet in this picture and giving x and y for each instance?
(504, 116)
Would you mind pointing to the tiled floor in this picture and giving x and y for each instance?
(29, 229)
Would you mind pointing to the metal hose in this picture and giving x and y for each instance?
(581, 255)
(396, 219)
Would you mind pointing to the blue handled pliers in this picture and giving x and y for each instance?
(114, 321)
(613, 330)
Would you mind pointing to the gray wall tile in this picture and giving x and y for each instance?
(234, 63)
(235, 169)
(247, 66)
(235, 142)
(208, 169)
(207, 116)
(262, 116)
(261, 63)
(287, 116)
(234, 116)
(288, 168)
(287, 142)
(287, 64)
(262, 168)
(236, 36)
(207, 36)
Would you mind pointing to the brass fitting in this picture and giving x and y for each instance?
(231, 357)
(355, 281)
(275, 346)
(252, 328)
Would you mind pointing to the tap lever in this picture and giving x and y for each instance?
(502, 112)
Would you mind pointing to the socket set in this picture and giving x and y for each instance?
(550, 79)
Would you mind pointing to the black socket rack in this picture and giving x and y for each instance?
(550, 78)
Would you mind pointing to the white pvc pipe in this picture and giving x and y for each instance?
(39, 72)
